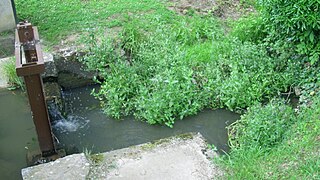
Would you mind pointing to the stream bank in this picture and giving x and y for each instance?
(82, 125)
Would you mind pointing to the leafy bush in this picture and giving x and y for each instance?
(155, 84)
(293, 24)
(246, 74)
(309, 85)
(262, 127)
(118, 90)
(101, 53)
(163, 76)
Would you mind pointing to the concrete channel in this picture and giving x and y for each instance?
(185, 156)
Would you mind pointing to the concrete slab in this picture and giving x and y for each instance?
(7, 20)
(184, 157)
(6, 44)
(181, 157)
(3, 78)
(75, 166)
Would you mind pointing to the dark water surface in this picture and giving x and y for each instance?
(17, 133)
(87, 128)
(98, 133)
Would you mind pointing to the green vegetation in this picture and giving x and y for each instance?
(271, 142)
(9, 71)
(294, 26)
(94, 159)
(164, 66)
(175, 67)
(57, 19)
(262, 126)
(250, 28)
(169, 76)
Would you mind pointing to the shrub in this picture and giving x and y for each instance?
(101, 52)
(118, 90)
(246, 74)
(262, 127)
(293, 24)
(156, 86)
(154, 80)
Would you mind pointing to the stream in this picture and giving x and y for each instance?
(85, 127)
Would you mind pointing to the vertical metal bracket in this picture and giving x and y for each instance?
(27, 45)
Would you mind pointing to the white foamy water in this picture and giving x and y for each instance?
(71, 124)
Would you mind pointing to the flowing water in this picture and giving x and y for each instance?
(85, 127)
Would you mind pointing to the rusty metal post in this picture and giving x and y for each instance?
(27, 45)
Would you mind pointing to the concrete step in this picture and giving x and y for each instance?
(180, 157)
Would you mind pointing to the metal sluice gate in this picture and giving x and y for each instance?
(30, 65)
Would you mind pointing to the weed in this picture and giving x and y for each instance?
(244, 67)
(9, 70)
(212, 147)
(309, 85)
(145, 83)
(94, 159)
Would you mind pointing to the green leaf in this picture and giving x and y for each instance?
(311, 37)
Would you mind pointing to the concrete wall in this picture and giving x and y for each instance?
(7, 21)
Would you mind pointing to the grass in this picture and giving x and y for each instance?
(94, 159)
(9, 71)
(57, 19)
(297, 155)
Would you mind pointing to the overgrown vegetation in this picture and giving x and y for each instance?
(177, 67)
(169, 76)
(271, 142)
